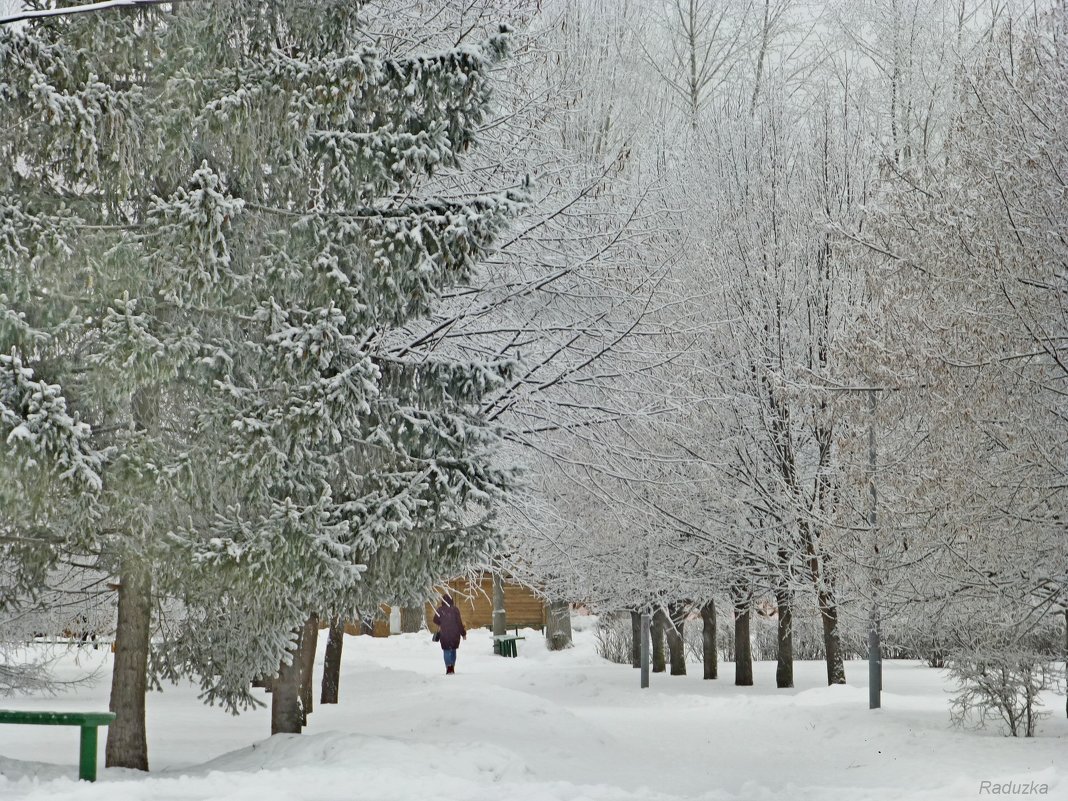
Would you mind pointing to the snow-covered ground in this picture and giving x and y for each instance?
(547, 727)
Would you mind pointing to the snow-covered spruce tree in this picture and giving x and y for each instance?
(49, 476)
(217, 220)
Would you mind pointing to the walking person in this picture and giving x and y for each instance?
(450, 631)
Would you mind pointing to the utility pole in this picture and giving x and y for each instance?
(875, 658)
(645, 648)
(645, 627)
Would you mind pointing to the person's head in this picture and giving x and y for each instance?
(446, 599)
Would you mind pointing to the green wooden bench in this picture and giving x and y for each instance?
(88, 721)
(504, 644)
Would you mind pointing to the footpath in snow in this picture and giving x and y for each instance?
(547, 726)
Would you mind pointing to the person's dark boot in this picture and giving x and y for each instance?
(449, 669)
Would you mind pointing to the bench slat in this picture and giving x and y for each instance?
(56, 718)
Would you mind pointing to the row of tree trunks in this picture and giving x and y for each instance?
(670, 625)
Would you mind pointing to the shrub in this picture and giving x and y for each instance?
(613, 637)
(1001, 686)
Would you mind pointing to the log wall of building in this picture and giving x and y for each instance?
(523, 608)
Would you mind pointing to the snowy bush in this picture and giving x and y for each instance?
(613, 637)
(1001, 687)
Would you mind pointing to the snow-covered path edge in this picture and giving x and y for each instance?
(550, 726)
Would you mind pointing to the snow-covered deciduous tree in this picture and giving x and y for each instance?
(703, 41)
(970, 326)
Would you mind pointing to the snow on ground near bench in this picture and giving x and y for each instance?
(545, 727)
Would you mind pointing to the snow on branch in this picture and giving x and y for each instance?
(102, 6)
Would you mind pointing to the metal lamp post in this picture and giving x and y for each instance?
(875, 657)
(645, 648)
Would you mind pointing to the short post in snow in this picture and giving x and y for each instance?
(645, 648)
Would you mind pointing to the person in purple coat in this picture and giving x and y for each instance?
(450, 630)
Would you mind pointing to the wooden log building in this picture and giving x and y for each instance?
(523, 607)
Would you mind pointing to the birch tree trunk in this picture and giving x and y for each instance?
(127, 744)
(709, 653)
(332, 662)
(558, 625)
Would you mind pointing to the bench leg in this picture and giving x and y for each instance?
(87, 754)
